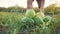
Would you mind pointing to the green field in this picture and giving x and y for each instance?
(10, 24)
(15, 21)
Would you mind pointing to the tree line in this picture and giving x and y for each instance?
(48, 10)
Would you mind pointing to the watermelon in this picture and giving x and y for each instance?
(26, 20)
(38, 20)
(47, 20)
(30, 13)
(40, 14)
(46, 29)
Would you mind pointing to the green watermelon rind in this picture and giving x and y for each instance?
(40, 14)
(27, 20)
(38, 20)
(30, 13)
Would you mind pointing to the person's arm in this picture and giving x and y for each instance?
(41, 5)
(29, 4)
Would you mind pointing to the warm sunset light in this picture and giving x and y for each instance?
(22, 17)
(23, 3)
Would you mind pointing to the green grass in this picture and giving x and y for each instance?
(12, 21)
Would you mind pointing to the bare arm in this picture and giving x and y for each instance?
(41, 5)
(29, 4)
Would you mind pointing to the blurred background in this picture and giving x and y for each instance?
(9, 7)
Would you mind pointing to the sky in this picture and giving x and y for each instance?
(23, 3)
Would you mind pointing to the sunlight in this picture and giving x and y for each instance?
(23, 3)
(58, 5)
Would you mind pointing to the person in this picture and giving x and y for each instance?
(40, 4)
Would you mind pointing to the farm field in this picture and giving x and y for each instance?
(20, 21)
(10, 24)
